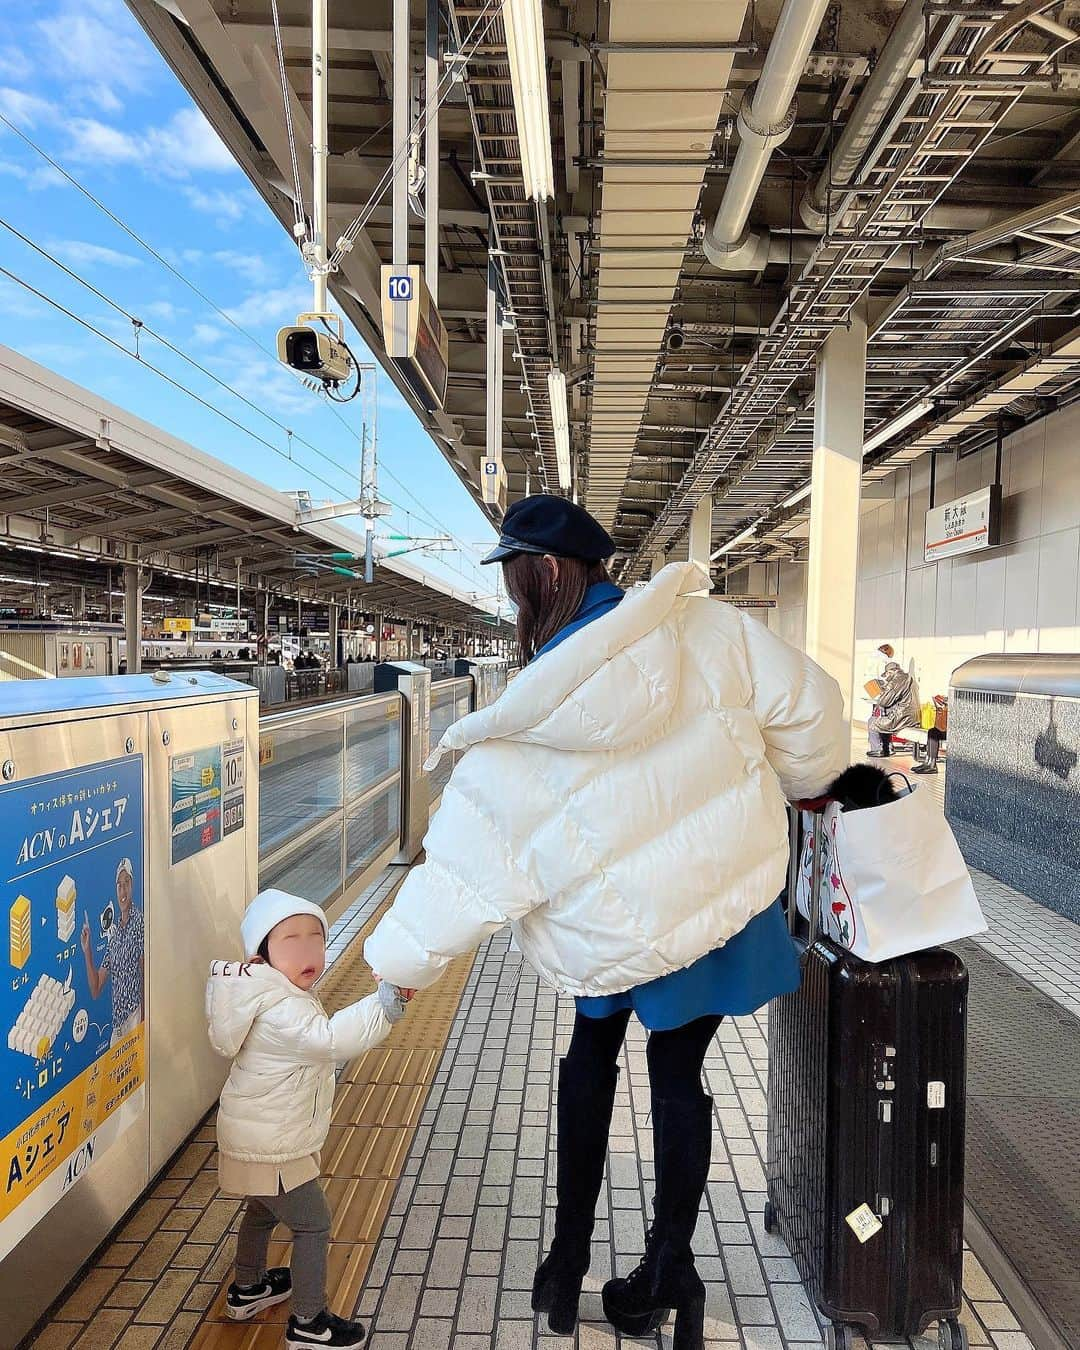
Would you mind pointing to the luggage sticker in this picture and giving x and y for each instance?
(935, 1096)
(864, 1223)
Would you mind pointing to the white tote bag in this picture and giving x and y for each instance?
(893, 879)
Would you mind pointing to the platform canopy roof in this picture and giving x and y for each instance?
(731, 179)
(87, 488)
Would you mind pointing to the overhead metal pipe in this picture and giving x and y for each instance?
(894, 67)
(765, 121)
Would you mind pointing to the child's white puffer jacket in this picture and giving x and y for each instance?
(277, 1103)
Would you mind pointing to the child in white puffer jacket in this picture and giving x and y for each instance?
(276, 1107)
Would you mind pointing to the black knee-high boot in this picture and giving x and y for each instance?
(586, 1101)
(639, 1304)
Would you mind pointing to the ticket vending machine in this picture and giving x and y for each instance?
(129, 849)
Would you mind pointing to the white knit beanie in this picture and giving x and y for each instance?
(267, 910)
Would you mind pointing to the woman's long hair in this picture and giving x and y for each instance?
(546, 605)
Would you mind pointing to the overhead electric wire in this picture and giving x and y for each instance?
(134, 235)
(119, 346)
(141, 327)
(211, 407)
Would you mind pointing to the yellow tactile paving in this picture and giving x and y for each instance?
(162, 1279)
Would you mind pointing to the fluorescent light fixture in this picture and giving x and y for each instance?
(734, 543)
(560, 420)
(524, 24)
(800, 494)
(898, 424)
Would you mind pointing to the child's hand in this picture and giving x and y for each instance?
(392, 1000)
(407, 994)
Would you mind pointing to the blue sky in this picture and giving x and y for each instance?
(80, 78)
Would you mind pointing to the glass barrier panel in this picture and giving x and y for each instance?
(372, 743)
(443, 715)
(313, 871)
(371, 828)
(301, 785)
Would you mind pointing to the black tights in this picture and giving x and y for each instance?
(675, 1057)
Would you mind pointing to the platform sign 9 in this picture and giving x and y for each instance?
(400, 288)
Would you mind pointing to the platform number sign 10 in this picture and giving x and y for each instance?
(400, 288)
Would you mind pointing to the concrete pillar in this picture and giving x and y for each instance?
(133, 618)
(836, 481)
(700, 542)
(335, 660)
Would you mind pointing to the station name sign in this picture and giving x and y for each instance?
(749, 601)
(965, 525)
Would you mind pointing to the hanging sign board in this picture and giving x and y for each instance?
(179, 625)
(493, 481)
(415, 334)
(965, 525)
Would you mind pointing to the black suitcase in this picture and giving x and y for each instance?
(866, 1137)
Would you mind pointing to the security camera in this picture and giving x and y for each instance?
(314, 353)
(675, 341)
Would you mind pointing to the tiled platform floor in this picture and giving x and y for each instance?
(161, 1282)
(451, 1266)
(455, 1263)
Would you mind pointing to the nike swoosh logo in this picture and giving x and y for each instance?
(313, 1336)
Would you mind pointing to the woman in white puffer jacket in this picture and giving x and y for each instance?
(622, 806)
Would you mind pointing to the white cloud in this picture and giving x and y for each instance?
(35, 179)
(224, 205)
(189, 143)
(98, 42)
(96, 143)
(14, 64)
(25, 110)
(102, 96)
(164, 310)
(251, 266)
(17, 303)
(186, 144)
(79, 251)
(275, 306)
(56, 353)
(207, 335)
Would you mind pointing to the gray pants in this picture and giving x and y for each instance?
(306, 1214)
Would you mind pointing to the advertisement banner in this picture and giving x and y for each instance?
(195, 781)
(72, 1063)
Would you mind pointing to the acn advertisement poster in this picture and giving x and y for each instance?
(72, 1064)
(196, 801)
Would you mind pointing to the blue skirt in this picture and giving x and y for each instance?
(758, 964)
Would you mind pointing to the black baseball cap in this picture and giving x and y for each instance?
(544, 524)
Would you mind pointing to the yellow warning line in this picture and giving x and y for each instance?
(379, 1101)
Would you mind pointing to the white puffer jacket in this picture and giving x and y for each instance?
(622, 803)
(278, 1101)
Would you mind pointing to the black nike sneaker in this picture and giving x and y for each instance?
(241, 1303)
(324, 1330)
